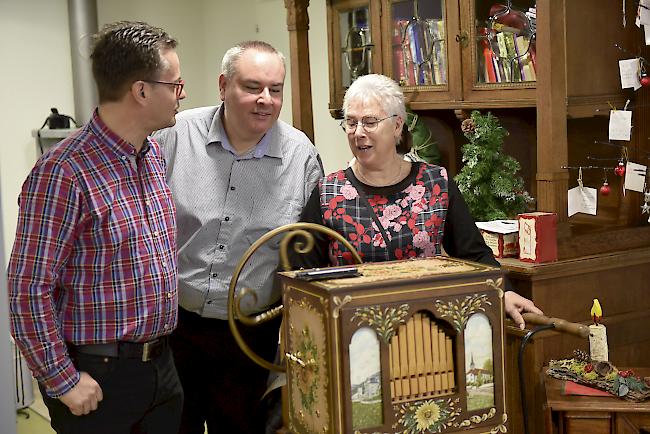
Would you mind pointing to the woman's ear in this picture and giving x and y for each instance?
(399, 125)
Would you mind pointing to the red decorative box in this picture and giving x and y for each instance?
(538, 237)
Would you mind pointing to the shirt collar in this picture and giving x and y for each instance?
(268, 146)
(108, 137)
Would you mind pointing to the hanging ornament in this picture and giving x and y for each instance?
(605, 189)
(620, 169)
(645, 208)
(644, 78)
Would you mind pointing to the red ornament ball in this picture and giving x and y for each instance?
(645, 80)
(620, 169)
(605, 189)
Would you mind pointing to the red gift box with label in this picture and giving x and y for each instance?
(538, 237)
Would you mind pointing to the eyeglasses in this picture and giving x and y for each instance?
(178, 85)
(369, 123)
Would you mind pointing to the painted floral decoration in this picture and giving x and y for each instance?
(428, 416)
(383, 322)
(307, 377)
(459, 311)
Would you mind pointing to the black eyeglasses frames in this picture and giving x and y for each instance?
(178, 85)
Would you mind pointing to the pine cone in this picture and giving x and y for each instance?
(581, 356)
(468, 126)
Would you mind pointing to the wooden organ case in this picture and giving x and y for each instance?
(412, 346)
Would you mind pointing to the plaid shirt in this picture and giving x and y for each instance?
(94, 259)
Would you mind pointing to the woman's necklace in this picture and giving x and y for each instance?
(392, 181)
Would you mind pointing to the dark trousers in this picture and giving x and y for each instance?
(139, 397)
(223, 387)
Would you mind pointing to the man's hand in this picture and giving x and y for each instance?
(84, 396)
(516, 305)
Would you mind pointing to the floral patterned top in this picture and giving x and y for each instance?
(419, 215)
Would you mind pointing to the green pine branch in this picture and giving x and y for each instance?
(488, 179)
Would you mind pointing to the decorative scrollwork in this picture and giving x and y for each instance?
(384, 322)
(498, 285)
(235, 314)
(477, 418)
(339, 304)
(459, 311)
(501, 428)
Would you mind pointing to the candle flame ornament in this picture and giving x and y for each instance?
(598, 335)
(596, 311)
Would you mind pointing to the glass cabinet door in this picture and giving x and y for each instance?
(505, 42)
(356, 44)
(419, 54)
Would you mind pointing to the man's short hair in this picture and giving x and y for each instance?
(126, 51)
(228, 64)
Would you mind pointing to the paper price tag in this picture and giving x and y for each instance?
(583, 200)
(635, 176)
(629, 69)
(620, 124)
(644, 15)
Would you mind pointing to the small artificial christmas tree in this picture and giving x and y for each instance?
(488, 179)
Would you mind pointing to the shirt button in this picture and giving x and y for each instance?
(214, 274)
(147, 202)
(166, 326)
(155, 233)
(124, 157)
(170, 295)
(221, 247)
(227, 219)
(232, 188)
(164, 265)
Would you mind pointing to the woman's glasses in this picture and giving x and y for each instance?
(369, 123)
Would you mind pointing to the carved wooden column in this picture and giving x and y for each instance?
(298, 26)
(552, 154)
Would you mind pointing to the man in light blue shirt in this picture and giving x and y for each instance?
(236, 172)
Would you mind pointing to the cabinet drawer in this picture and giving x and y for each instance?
(587, 422)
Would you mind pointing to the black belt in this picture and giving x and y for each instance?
(144, 351)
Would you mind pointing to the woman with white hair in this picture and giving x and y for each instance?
(389, 208)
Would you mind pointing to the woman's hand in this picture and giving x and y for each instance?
(516, 305)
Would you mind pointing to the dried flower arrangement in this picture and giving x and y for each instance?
(601, 375)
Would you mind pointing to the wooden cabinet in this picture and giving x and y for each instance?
(436, 48)
(576, 82)
(592, 414)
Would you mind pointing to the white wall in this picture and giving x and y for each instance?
(35, 75)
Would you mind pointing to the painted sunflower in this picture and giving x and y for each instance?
(427, 415)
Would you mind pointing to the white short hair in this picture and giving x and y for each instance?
(376, 87)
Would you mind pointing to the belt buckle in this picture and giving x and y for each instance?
(146, 350)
